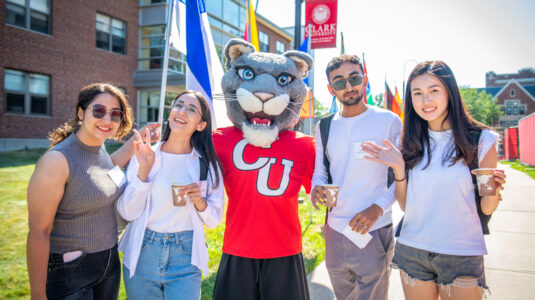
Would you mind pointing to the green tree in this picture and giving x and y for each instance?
(320, 110)
(379, 100)
(481, 106)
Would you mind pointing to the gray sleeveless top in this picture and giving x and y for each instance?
(85, 219)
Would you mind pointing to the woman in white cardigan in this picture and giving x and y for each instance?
(164, 245)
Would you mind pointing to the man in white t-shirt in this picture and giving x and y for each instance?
(364, 200)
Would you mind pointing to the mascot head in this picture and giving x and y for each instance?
(264, 92)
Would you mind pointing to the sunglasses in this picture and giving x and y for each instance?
(341, 83)
(99, 112)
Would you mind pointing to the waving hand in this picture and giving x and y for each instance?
(144, 154)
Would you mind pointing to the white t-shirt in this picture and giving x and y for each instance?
(440, 212)
(164, 216)
(361, 182)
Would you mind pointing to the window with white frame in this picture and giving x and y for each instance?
(514, 107)
(512, 92)
(29, 14)
(281, 48)
(27, 93)
(152, 49)
(263, 40)
(111, 34)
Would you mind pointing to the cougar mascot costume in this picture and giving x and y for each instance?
(264, 167)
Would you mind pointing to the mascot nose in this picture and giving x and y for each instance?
(264, 96)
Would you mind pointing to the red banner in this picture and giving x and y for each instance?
(320, 20)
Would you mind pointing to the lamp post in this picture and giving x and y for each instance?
(404, 65)
(297, 29)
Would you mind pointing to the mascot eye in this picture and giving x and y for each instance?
(246, 74)
(284, 79)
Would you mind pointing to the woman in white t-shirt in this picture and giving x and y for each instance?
(164, 245)
(440, 247)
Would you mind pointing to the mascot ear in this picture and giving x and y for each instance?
(236, 48)
(303, 61)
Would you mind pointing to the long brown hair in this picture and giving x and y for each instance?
(415, 129)
(201, 141)
(85, 97)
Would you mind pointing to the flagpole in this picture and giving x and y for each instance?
(385, 105)
(165, 66)
(311, 101)
(311, 84)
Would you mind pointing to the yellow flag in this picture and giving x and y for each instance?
(307, 111)
(253, 35)
(400, 103)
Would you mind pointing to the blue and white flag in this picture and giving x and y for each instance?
(203, 70)
(177, 36)
(334, 106)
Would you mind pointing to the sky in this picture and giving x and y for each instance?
(471, 36)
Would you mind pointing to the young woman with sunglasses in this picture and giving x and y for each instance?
(440, 248)
(72, 241)
(164, 245)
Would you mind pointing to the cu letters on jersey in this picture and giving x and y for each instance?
(263, 164)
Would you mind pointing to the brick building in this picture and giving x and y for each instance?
(515, 93)
(49, 52)
(50, 49)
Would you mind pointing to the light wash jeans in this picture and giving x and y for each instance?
(164, 269)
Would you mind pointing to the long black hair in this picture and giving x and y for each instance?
(415, 129)
(201, 141)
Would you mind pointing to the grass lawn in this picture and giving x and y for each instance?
(517, 165)
(15, 170)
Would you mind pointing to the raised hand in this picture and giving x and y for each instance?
(144, 154)
(154, 132)
(389, 156)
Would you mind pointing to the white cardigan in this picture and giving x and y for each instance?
(135, 204)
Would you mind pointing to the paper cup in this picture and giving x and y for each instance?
(179, 198)
(332, 194)
(486, 184)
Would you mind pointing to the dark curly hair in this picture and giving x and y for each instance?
(85, 97)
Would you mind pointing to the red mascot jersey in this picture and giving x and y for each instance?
(262, 185)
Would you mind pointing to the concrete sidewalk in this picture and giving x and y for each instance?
(510, 264)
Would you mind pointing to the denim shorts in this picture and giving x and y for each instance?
(443, 269)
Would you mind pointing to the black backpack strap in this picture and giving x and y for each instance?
(475, 134)
(325, 126)
(203, 169)
(398, 228)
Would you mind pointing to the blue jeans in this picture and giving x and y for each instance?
(164, 269)
(90, 276)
